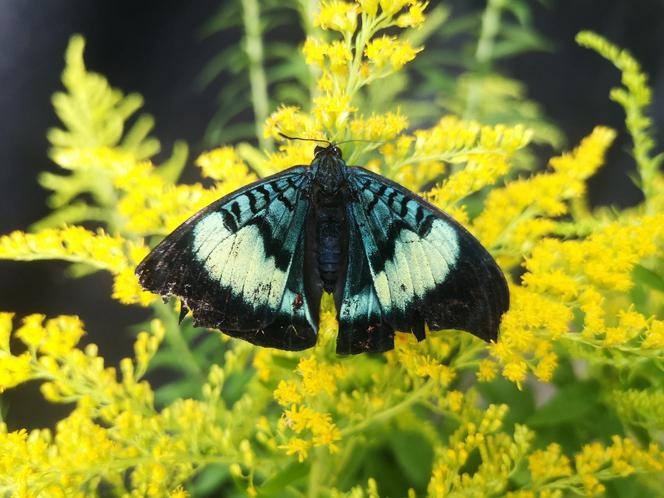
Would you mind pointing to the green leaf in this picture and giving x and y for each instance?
(275, 485)
(181, 388)
(649, 278)
(171, 169)
(209, 480)
(521, 403)
(414, 454)
(569, 403)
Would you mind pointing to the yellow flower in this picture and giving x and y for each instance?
(290, 121)
(287, 394)
(297, 446)
(378, 127)
(221, 163)
(337, 15)
(178, 492)
(389, 49)
(414, 17)
(654, 337)
(486, 371)
(549, 463)
(516, 372)
(339, 56)
(369, 7)
(391, 7)
(14, 370)
(546, 367)
(333, 111)
(5, 330)
(314, 51)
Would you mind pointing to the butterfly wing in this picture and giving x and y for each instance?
(362, 324)
(424, 268)
(238, 264)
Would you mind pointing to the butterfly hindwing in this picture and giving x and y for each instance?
(425, 267)
(362, 326)
(238, 264)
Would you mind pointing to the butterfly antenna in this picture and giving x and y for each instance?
(305, 139)
(360, 140)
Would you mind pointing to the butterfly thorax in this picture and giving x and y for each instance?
(328, 170)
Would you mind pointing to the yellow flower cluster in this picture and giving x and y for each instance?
(150, 205)
(485, 150)
(78, 245)
(543, 195)
(315, 379)
(543, 308)
(323, 431)
(115, 425)
(492, 474)
(348, 64)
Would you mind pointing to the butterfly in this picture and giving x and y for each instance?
(256, 262)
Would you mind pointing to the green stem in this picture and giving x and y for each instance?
(308, 10)
(313, 490)
(484, 52)
(391, 412)
(254, 48)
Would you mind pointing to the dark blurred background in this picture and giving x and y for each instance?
(156, 48)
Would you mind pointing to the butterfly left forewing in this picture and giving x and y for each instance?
(425, 267)
(238, 264)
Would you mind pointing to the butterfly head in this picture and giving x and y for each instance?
(330, 149)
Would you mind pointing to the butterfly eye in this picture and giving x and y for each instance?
(318, 150)
(337, 151)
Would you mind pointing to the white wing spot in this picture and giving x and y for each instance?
(240, 264)
(419, 264)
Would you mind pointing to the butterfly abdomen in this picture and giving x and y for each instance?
(330, 222)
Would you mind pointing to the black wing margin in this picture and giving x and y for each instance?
(425, 267)
(238, 264)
